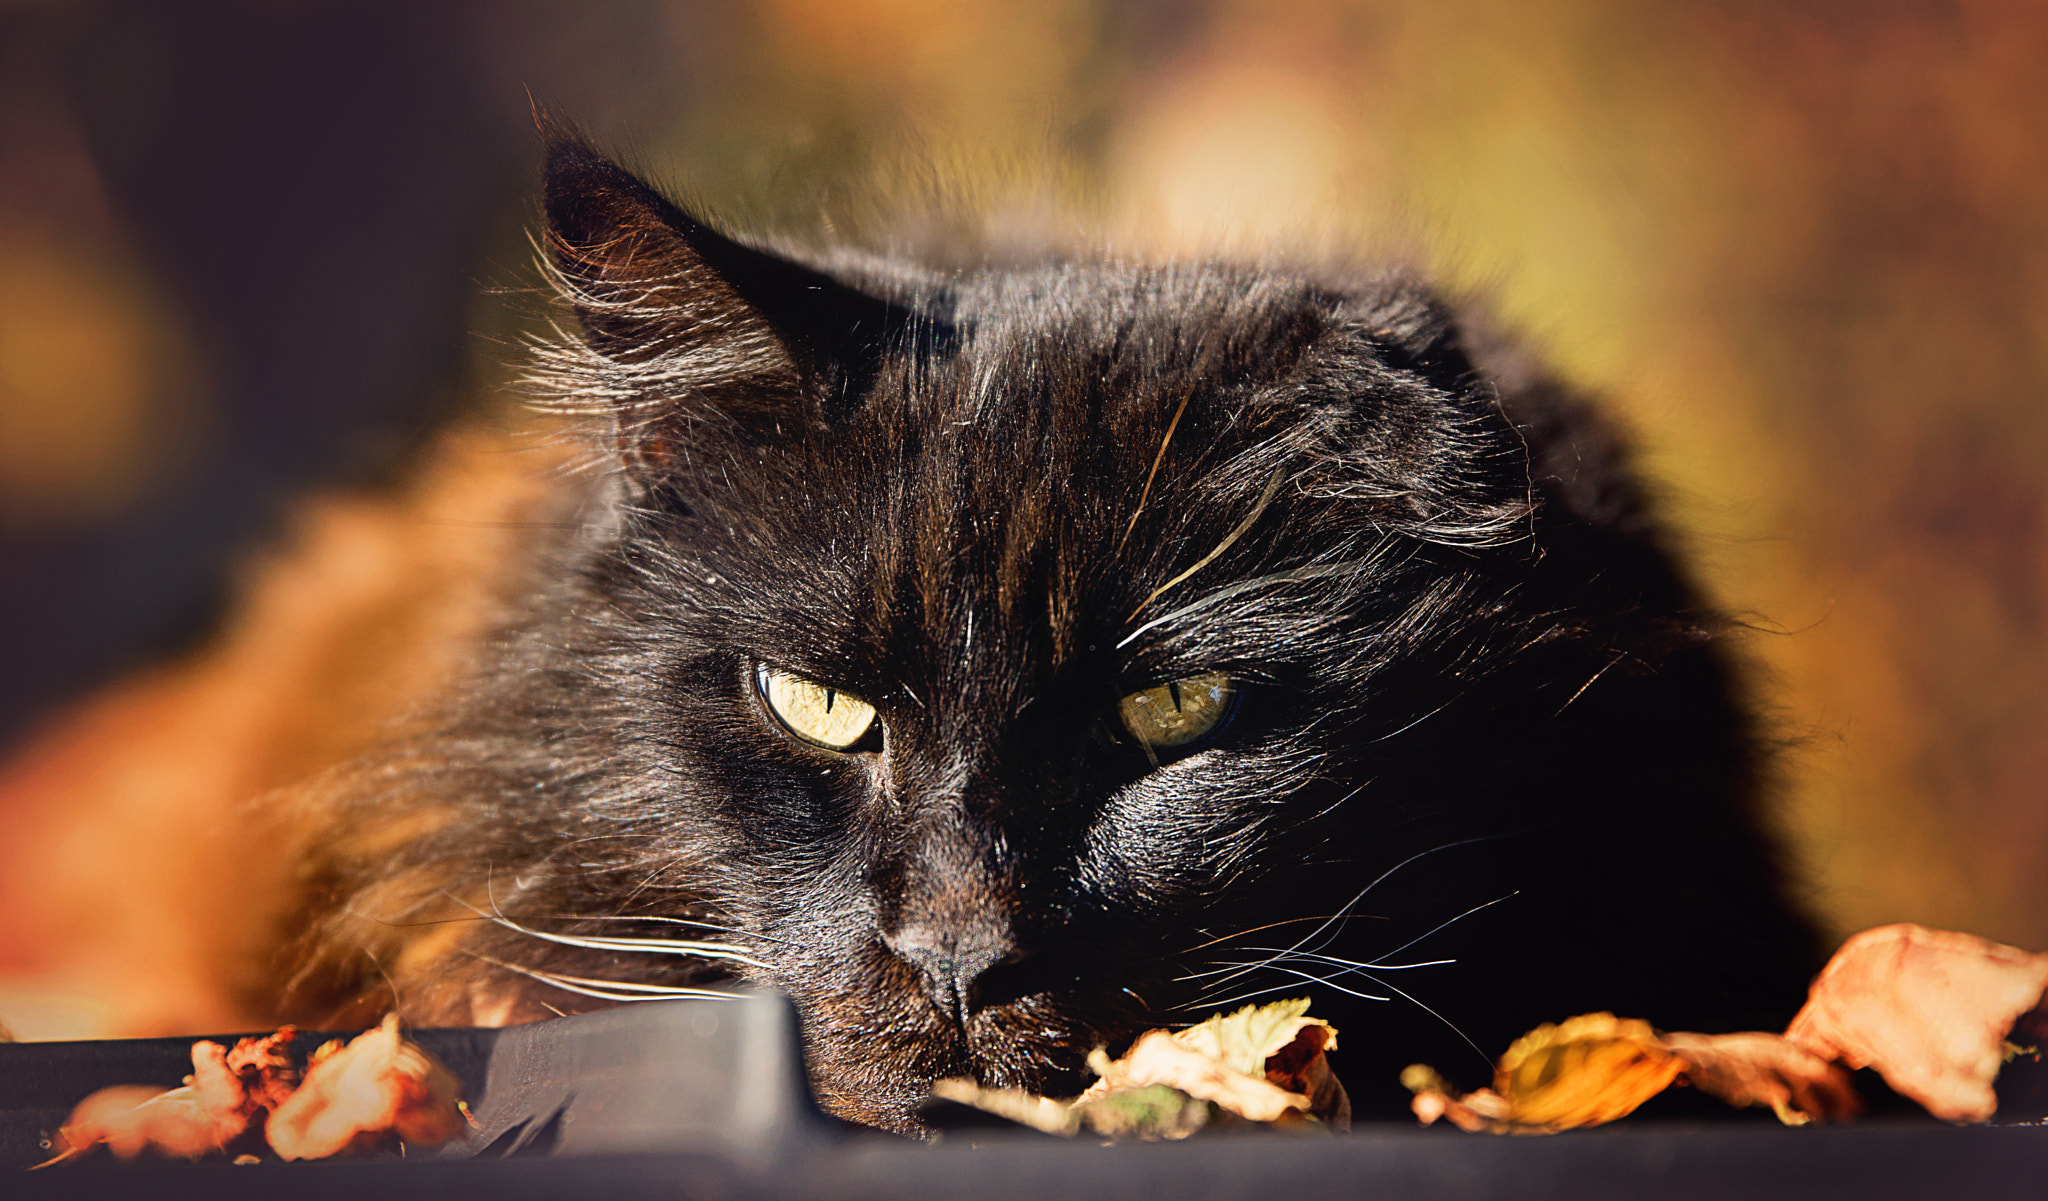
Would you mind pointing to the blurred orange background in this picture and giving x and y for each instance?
(250, 247)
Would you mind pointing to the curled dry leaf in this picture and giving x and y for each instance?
(1153, 1113)
(1929, 1009)
(1247, 1039)
(133, 1118)
(1158, 1059)
(1767, 1069)
(354, 1097)
(1586, 1071)
(1481, 1110)
(1261, 1063)
(1597, 1068)
(218, 1101)
(351, 1098)
(265, 1068)
(1025, 1109)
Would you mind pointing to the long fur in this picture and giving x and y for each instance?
(1488, 735)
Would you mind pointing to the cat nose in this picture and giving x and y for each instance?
(949, 965)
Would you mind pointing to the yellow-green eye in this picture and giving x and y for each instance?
(1178, 713)
(813, 712)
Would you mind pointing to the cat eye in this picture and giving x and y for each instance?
(1178, 714)
(818, 714)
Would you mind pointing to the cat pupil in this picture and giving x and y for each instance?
(811, 710)
(1199, 706)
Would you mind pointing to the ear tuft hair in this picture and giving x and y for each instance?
(651, 281)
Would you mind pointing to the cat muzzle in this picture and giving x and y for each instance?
(951, 968)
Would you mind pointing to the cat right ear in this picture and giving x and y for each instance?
(661, 294)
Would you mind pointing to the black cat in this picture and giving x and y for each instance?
(1004, 662)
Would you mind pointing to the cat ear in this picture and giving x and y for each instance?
(655, 287)
(1433, 441)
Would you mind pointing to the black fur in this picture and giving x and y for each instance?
(1483, 716)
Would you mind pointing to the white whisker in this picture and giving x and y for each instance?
(1279, 956)
(1461, 917)
(610, 990)
(1344, 912)
(727, 952)
(1294, 985)
(1483, 1056)
(637, 917)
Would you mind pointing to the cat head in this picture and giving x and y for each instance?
(995, 655)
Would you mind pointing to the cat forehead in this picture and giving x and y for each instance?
(1090, 427)
(1106, 337)
(1147, 316)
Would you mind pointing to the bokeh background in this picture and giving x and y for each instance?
(251, 248)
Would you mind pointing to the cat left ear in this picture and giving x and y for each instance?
(743, 328)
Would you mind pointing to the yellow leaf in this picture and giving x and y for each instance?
(1242, 1041)
(1160, 1058)
(1263, 1063)
(1587, 1070)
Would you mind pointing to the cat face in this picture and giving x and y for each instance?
(1008, 662)
(1104, 565)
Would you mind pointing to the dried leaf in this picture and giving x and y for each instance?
(1586, 1071)
(210, 1111)
(1025, 1109)
(1262, 1063)
(1303, 1066)
(355, 1097)
(1243, 1040)
(1929, 1009)
(350, 1098)
(1149, 1114)
(1483, 1110)
(1159, 1058)
(1767, 1069)
(265, 1068)
(1597, 1068)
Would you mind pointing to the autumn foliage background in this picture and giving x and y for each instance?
(248, 248)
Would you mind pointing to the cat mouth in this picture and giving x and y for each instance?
(873, 1057)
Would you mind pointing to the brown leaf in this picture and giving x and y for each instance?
(265, 1068)
(206, 1114)
(1151, 1114)
(1929, 1009)
(1159, 1058)
(354, 1097)
(1261, 1063)
(1243, 1040)
(1585, 1071)
(1597, 1068)
(1302, 1066)
(1483, 1110)
(1025, 1109)
(1767, 1069)
(1282, 1043)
